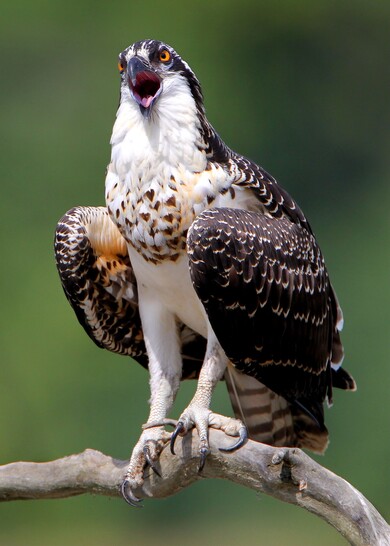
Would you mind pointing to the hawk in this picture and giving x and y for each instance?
(201, 266)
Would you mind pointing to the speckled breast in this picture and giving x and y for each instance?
(154, 218)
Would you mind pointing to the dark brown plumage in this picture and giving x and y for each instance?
(267, 294)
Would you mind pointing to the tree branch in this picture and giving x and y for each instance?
(287, 474)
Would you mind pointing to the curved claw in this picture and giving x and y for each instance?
(148, 459)
(179, 428)
(204, 451)
(128, 495)
(243, 437)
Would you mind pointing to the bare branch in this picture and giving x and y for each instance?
(286, 474)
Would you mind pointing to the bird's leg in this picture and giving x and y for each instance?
(151, 442)
(198, 414)
(163, 349)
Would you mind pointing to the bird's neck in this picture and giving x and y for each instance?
(171, 134)
(160, 176)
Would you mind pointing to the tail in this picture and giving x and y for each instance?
(269, 418)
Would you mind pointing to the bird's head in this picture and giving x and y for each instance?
(150, 70)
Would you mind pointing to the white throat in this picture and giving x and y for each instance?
(169, 137)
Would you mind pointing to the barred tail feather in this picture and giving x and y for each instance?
(266, 415)
(269, 418)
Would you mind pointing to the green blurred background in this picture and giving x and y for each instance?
(302, 87)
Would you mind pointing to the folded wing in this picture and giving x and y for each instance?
(265, 288)
(99, 283)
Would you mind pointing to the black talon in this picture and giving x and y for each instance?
(175, 433)
(240, 442)
(203, 454)
(128, 495)
(149, 461)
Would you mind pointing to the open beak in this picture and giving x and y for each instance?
(145, 85)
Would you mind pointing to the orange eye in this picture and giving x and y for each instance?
(120, 67)
(164, 56)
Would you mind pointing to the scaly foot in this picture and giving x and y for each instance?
(202, 418)
(146, 452)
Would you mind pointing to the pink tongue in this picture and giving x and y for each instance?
(145, 101)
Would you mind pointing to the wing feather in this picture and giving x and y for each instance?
(99, 283)
(98, 280)
(269, 300)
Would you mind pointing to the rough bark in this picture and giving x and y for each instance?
(286, 474)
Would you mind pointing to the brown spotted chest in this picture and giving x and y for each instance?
(154, 217)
